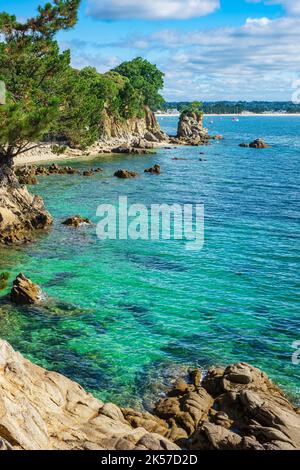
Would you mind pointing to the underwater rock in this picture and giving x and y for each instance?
(3, 280)
(25, 292)
(88, 173)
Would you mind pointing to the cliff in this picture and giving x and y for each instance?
(145, 127)
(21, 214)
(190, 129)
(233, 408)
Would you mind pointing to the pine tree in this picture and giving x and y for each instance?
(31, 64)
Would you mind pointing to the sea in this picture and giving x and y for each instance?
(124, 318)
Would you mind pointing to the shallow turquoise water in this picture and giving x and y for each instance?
(124, 314)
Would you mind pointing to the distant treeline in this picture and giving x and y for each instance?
(230, 107)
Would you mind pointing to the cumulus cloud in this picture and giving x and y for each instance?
(292, 7)
(150, 9)
(257, 60)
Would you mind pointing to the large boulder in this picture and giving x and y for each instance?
(25, 292)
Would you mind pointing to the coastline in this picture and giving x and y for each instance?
(44, 410)
(235, 115)
(44, 154)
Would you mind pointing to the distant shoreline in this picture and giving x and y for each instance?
(236, 115)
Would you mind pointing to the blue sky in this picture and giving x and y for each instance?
(208, 49)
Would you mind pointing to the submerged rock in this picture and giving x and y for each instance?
(154, 170)
(76, 221)
(125, 174)
(4, 277)
(88, 173)
(25, 292)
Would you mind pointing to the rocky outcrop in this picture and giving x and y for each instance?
(154, 170)
(25, 292)
(76, 221)
(27, 174)
(127, 149)
(256, 144)
(123, 174)
(21, 214)
(190, 129)
(45, 410)
(127, 130)
(235, 408)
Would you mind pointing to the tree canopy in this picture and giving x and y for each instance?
(146, 78)
(31, 64)
(46, 97)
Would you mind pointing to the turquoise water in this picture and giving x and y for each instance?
(123, 315)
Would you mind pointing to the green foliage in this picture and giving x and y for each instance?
(31, 64)
(146, 78)
(47, 98)
(58, 149)
(231, 107)
(194, 107)
(81, 105)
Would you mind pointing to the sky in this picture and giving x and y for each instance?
(209, 50)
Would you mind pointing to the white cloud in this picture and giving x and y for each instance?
(151, 9)
(255, 61)
(292, 7)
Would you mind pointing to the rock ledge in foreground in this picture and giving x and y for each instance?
(233, 408)
(43, 410)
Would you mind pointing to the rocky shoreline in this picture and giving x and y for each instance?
(236, 408)
(132, 137)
